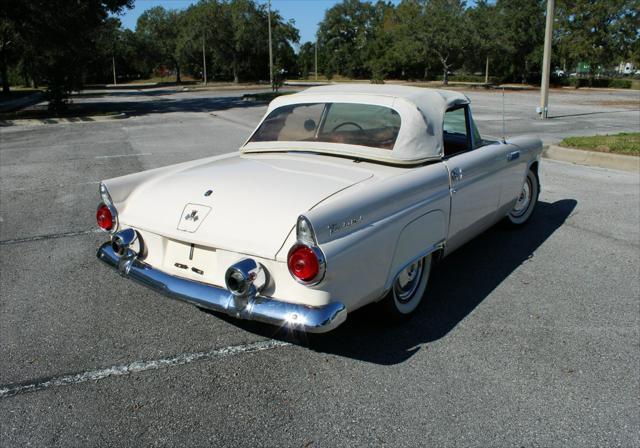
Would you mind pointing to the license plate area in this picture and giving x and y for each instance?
(189, 260)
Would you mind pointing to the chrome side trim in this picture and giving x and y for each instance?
(262, 309)
(422, 254)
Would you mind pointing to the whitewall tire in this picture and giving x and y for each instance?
(526, 203)
(408, 288)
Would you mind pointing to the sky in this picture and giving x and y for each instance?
(306, 13)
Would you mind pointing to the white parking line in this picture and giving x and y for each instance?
(125, 155)
(10, 390)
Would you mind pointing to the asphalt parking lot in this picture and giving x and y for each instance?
(527, 338)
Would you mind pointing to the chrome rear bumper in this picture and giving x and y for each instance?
(262, 309)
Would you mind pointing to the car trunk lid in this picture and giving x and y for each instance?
(247, 204)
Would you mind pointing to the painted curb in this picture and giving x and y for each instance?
(43, 121)
(593, 158)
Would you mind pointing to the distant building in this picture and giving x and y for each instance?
(626, 68)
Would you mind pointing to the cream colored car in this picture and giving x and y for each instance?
(342, 196)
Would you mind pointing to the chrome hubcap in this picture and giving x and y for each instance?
(408, 281)
(523, 200)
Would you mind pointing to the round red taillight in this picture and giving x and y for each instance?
(104, 218)
(303, 263)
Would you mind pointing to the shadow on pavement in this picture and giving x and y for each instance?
(137, 103)
(168, 105)
(593, 113)
(457, 286)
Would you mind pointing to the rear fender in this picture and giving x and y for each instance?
(418, 239)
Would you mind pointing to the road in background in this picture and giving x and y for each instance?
(527, 337)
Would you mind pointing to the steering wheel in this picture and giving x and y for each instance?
(347, 123)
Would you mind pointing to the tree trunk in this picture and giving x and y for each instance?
(445, 66)
(178, 80)
(5, 77)
(236, 79)
(486, 72)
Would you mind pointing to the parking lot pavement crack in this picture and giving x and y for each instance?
(10, 390)
(608, 236)
(49, 236)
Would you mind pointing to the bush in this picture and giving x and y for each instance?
(469, 78)
(377, 77)
(614, 83)
(620, 83)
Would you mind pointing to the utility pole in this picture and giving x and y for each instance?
(316, 58)
(204, 63)
(546, 61)
(270, 46)
(113, 64)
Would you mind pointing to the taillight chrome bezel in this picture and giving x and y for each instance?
(322, 264)
(306, 237)
(107, 201)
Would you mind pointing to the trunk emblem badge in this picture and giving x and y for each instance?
(193, 216)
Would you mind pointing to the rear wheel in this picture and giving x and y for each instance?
(526, 203)
(408, 289)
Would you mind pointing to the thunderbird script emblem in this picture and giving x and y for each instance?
(193, 216)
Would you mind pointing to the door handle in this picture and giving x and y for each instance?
(456, 174)
(515, 155)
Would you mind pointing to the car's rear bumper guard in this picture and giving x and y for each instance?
(262, 309)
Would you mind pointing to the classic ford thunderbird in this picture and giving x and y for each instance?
(342, 196)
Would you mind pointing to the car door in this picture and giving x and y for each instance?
(475, 177)
(514, 175)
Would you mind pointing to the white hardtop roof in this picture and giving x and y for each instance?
(421, 112)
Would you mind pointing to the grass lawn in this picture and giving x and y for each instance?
(624, 143)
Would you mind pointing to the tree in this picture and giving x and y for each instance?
(158, 28)
(306, 59)
(9, 45)
(381, 60)
(198, 28)
(408, 41)
(485, 43)
(443, 32)
(521, 24)
(598, 32)
(235, 35)
(344, 34)
(58, 39)
(122, 46)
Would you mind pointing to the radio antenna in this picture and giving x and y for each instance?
(504, 138)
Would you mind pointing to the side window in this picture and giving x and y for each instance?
(455, 132)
